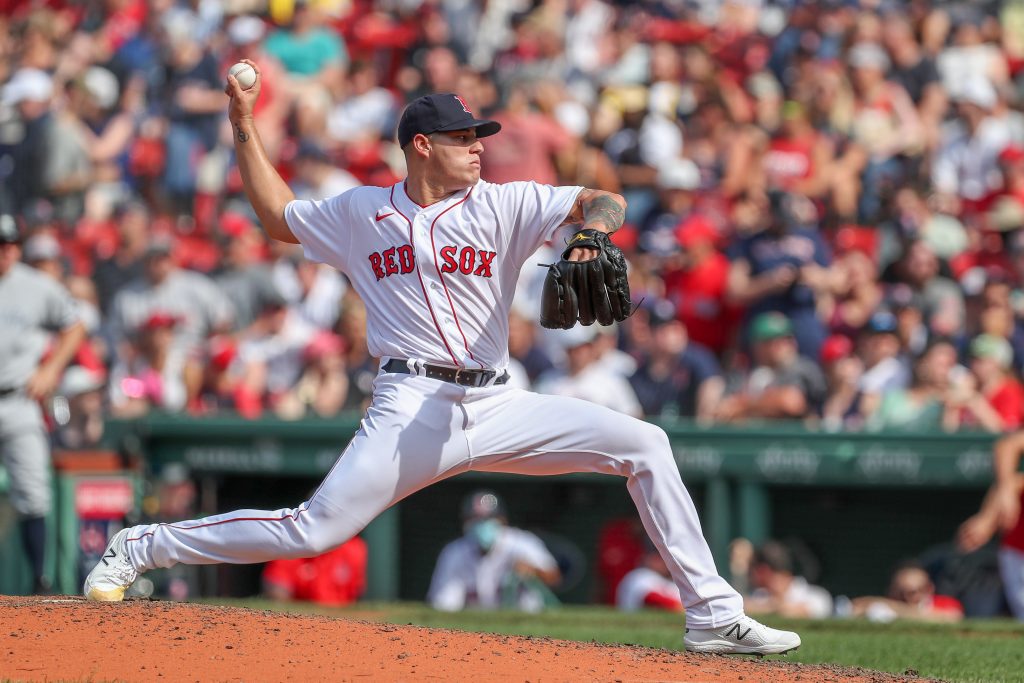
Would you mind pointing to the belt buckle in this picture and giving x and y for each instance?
(458, 372)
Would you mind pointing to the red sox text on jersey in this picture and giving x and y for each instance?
(402, 260)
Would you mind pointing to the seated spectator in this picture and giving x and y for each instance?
(243, 277)
(201, 307)
(649, 585)
(222, 387)
(677, 377)
(941, 298)
(316, 176)
(782, 383)
(783, 266)
(885, 369)
(994, 400)
(583, 376)
(271, 352)
(777, 590)
(492, 565)
(523, 346)
(911, 596)
(621, 545)
(338, 577)
(842, 407)
(152, 373)
(1001, 513)
(323, 384)
(78, 409)
(921, 406)
(698, 286)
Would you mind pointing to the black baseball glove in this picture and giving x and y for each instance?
(586, 290)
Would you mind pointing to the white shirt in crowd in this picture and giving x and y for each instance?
(816, 600)
(597, 384)
(631, 595)
(465, 577)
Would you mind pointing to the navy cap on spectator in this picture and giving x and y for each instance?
(439, 113)
(661, 312)
(882, 322)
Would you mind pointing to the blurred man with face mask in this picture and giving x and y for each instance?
(492, 565)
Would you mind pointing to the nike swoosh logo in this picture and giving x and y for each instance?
(380, 217)
(111, 555)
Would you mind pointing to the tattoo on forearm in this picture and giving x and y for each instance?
(242, 135)
(604, 210)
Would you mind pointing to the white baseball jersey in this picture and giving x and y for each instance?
(438, 280)
(465, 577)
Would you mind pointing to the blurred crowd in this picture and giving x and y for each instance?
(826, 199)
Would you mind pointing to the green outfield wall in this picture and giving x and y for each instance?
(860, 502)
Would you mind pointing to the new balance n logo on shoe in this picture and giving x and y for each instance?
(110, 555)
(736, 629)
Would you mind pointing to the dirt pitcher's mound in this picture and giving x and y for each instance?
(69, 639)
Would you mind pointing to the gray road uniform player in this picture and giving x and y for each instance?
(33, 308)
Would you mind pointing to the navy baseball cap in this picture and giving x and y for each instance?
(438, 113)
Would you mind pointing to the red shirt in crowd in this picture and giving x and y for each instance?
(699, 296)
(337, 577)
(1008, 401)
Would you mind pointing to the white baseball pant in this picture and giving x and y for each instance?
(418, 431)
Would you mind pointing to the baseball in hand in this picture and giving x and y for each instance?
(244, 74)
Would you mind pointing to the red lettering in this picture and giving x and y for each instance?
(390, 266)
(486, 258)
(375, 263)
(406, 259)
(467, 259)
(448, 254)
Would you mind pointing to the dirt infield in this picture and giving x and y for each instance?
(67, 639)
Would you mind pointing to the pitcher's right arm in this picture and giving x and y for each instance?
(267, 191)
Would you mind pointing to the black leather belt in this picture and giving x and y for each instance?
(460, 376)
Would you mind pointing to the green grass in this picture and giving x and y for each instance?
(989, 651)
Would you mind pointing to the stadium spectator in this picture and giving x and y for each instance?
(884, 367)
(781, 383)
(202, 307)
(911, 596)
(127, 263)
(1001, 513)
(582, 376)
(697, 286)
(333, 579)
(922, 405)
(843, 407)
(648, 586)
(782, 266)
(316, 177)
(313, 55)
(323, 384)
(244, 278)
(492, 565)
(79, 407)
(151, 371)
(996, 402)
(272, 348)
(777, 589)
(677, 377)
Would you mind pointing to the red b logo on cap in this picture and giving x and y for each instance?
(465, 107)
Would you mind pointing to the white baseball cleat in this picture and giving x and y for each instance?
(113, 574)
(745, 637)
